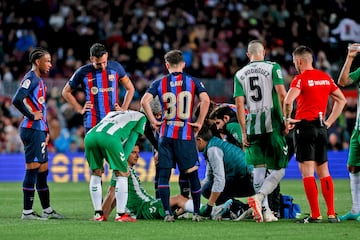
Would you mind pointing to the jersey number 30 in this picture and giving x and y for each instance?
(177, 105)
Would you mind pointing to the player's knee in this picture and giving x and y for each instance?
(44, 167)
(164, 173)
(97, 172)
(194, 181)
(30, 178)
(354, 169)
(41, 182)
(121, 174)
(280, 173)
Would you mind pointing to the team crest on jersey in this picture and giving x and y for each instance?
(111, 77)
(41, 100)
(26, 84)
(94, 90)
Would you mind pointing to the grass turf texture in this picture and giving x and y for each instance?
(73, 201)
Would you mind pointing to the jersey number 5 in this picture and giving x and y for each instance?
(257, 96)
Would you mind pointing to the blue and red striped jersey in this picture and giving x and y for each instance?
(30, 97)
(101, 89)
(177, 93)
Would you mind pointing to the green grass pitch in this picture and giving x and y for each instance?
(73, 200)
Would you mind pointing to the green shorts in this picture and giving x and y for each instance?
(269, 149)
(354, 151)
(151, 210)
(100, 145)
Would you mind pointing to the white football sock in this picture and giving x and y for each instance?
(272, 181)
(265, 203)
(27, 211)
(189, 206)
(355, 191)
(259, 177)
(258, 180)
(48, 210)
(96, 192)
(121, 193)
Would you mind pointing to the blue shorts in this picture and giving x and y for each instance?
(34, 145)
(180, 152)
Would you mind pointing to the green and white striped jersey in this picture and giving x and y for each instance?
(255, 82)
(355, 76)
(121, 123)
(137, 194)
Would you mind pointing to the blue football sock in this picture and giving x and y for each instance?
(43, 189)
(164, 189)
(28, 187)
(195, 189)
(184, 184)
(156, 183)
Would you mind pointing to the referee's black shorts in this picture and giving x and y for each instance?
(310, 140)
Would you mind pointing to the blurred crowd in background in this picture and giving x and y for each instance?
(213, 35)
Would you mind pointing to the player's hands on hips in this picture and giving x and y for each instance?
(38, 115)
(156, 158)
(327, 124)
(290, 123)
(156, 125)
(87, 107)
(118, 108)
(47, 139)
(197, 126)
(245, 141)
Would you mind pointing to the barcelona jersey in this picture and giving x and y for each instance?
(32, 96)
(101, 89)
(177, 92)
